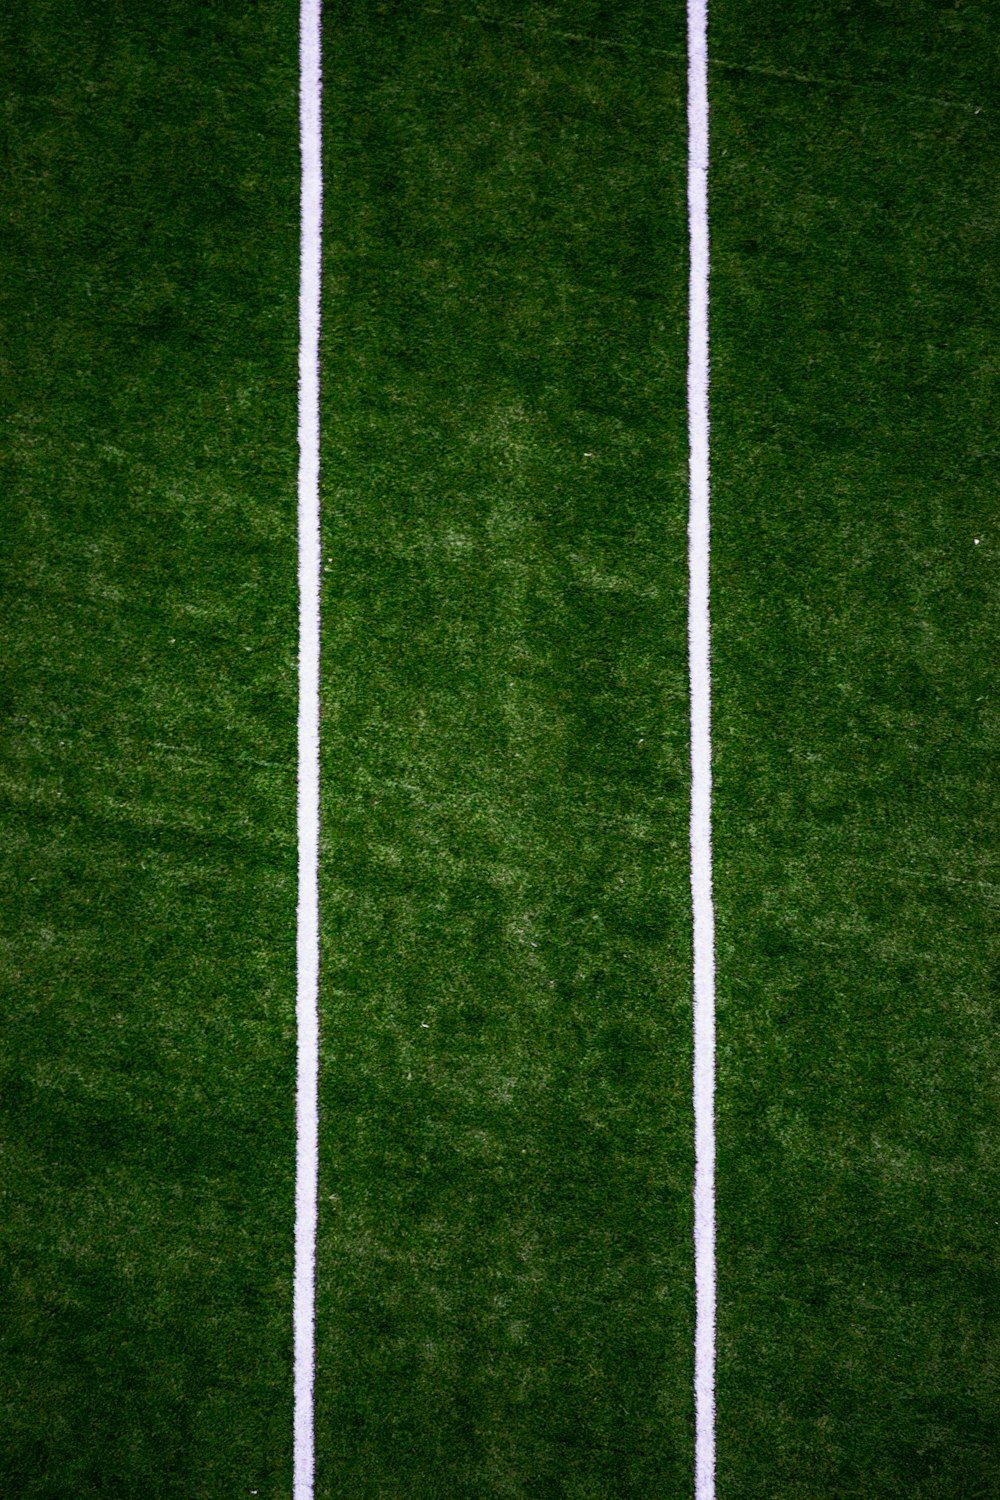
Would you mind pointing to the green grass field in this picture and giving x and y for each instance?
(505, 1303)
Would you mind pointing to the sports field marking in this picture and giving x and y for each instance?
(307, 935)
(701, 757)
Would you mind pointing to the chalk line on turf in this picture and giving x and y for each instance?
(307, 934)
(699, 633)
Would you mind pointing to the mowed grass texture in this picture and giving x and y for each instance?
(505, 1285)
(147, 860)
(856, 303)
(505, 1273)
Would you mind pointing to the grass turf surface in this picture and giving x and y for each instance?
(505, 1263)
(505, 1299)
(856, 816)
(147, 849)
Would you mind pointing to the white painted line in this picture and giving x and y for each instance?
(307, 937)
(701, 757)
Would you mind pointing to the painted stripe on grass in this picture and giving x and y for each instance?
(307, 936)
(699, 628)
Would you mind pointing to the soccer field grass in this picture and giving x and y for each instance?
(505, 1275)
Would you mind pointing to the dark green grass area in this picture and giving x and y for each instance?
(505, 1298)
(856, 305)
(148, 284)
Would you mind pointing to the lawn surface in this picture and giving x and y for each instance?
(505, 1298)
(857, 814)
(505, 1262)
(147, 839)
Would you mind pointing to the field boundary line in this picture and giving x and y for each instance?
(699, 663)
(307, 919)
